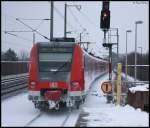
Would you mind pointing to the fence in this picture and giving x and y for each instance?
(139, 99)
(14, 67)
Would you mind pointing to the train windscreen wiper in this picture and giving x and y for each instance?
(59, 68)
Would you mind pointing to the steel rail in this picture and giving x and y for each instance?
(35, 118)
(13, 85)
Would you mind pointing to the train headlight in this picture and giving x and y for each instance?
(32, 84)
(74, 83)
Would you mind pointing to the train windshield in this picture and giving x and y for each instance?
(53, 61)
(55, 66)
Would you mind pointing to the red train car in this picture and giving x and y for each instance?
(60, 74)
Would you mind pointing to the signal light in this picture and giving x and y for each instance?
(105, 19)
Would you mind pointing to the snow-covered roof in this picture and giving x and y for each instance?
(139, 88)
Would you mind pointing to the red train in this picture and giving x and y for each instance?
(60, 74)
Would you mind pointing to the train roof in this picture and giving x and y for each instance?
(95, 58)
(56, 44)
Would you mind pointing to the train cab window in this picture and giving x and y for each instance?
(54, 65)
(53, 61)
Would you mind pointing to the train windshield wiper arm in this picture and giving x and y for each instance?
(59, 68)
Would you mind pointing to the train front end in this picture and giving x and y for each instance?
(49, 74)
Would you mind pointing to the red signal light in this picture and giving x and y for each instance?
(105, 19)
(104, 14)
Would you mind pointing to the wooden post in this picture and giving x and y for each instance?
(119, 70)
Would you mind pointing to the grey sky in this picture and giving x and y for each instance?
(123, 16)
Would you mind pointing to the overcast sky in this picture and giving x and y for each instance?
(123, 17)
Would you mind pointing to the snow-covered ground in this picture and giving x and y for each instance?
(116, 116)
(18, 111)
(103, 114)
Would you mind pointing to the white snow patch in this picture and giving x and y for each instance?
(103, 114)
(71, 122)
(139, 88)
(57, 119)
(17, 111)
(116, 116)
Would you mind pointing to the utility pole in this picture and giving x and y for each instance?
(126, 70)
(65, 21)
(141, 62)
(65, 17)
(105, 25)
(80, 37)
(33, 37)
(110, 62)
(88, 45)
(117, 43)
(135, 69)
(51, 23)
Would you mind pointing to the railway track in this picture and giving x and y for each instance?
(33, 119)
(70, 117)
(13, 85)
(66, 119)
(61, 118)
(63, 122)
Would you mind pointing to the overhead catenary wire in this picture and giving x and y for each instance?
(18, 36)
(17, 31)
(69, 23)
(42, 20)
(76, 19)
(81, 27)
(14, 18)
(10, 17)
(88, 19)
(32, 29)
(39, 25)
(34, 19)
(79, 21)
(59, 13)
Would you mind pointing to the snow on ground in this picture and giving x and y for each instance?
(103, 114)
(57, 118)
(71, 122)
(50, 119)
(17, 111)
(116, 116)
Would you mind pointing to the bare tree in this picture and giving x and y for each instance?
(24, 55)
